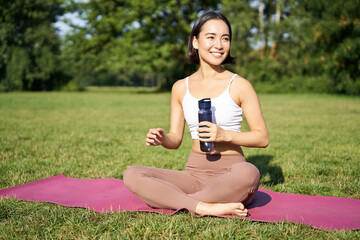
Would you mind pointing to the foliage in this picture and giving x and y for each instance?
(336, 34)
(134, 42)
(301, 45)
(280, 45)
(29, 46)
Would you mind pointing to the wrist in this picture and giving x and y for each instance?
(226, 136)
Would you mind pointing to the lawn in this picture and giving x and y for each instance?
(314, 150)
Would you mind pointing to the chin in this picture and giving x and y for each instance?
(216, 63)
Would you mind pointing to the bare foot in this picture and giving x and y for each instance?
(221, 209)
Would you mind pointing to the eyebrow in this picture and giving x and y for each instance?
(215, 34)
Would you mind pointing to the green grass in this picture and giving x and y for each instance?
(314, 149)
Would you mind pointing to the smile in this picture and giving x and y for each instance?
(216, 54)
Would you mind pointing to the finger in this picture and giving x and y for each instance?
(159, 134)
(149, 142)
(161, 131)
(204, 129)
(206, 134)
(152, 144)
(151, 132)
(204, 137)
(155, 131)
(151, 139)
(205, 140)
(150, 135)
(157, 142)
(205, 124)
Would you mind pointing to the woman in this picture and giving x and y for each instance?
(220, 182)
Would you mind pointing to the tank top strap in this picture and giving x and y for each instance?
(231, 80)
(187, 83)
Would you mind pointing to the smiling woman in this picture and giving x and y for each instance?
(218, 182)
(198, 27)
(213, 42)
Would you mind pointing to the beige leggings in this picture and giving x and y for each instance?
(206, 178)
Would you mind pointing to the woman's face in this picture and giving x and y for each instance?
(213, 42)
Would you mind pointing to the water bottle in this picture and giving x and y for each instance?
(205, 114)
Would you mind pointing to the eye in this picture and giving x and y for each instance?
(226, 39)
(210, 37)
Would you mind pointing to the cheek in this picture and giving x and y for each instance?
(227, 45)
(227, 48)
(205, 44)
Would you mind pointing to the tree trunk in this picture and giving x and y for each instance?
(273, 51)
(261, 29)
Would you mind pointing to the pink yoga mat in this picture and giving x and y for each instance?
(109, 194)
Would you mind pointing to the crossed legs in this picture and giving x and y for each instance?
(226, 193)
(162, 188)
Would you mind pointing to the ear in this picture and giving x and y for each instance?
(195, 43)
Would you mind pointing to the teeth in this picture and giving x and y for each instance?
(216, 54)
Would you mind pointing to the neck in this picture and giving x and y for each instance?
(210, 72)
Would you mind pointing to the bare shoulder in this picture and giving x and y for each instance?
(179, 89)
(179, 86)
(241, 83)
(241, 89)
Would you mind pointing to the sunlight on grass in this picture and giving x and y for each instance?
(314, 149)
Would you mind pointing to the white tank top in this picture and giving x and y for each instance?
(226, 113)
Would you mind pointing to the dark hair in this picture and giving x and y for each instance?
(193, 56)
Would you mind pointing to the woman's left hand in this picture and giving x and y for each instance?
(210, 132)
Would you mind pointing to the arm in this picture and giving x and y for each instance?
(173, 138)
(258, 135)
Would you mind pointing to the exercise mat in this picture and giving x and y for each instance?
(109, 195)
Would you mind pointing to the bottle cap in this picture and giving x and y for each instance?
(205, 103)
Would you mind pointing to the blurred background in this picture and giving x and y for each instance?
(280, 45)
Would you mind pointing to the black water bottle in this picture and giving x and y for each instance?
(205, 114)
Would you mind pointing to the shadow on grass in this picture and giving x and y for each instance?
(270, 175)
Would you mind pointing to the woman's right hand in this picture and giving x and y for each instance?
(155, 137)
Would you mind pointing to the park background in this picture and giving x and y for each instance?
(110, 76)
(280, 45)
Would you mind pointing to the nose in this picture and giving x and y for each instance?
(218, 44)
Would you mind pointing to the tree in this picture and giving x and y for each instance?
(137, 40)
(336, 35)
(29, 45)
(291, 45)
(280, 45)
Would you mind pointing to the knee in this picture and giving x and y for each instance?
(130, 176)
(246, 174)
